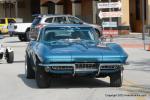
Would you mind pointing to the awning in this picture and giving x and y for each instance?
(54, 1)
(8, 1)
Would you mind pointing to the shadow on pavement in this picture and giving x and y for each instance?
(13, 41)
(68, 82)
(21, 61)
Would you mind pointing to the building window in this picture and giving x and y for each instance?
(2, 21)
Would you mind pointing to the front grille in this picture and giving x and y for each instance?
(62, 68)
(87, 66)
(109, 67)
(78, 66)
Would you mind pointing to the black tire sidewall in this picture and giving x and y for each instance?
(27, 36)
(42, 78)
(116, 79)
(21, 38)
(30, 73)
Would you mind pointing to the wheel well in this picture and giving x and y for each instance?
(28, 29)
(37, 58)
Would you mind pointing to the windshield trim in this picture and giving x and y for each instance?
(90, 28)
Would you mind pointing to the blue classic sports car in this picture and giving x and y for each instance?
(72, 50)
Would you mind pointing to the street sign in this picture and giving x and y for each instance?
(110, 32)
(109, 14)
(109, 5)
(109, 24)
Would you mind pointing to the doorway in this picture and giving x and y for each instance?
(136, 15)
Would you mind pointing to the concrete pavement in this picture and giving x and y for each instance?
(136, 83)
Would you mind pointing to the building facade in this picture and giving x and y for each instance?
(85, 9)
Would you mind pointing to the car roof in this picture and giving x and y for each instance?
(50, 15)
(67, 25)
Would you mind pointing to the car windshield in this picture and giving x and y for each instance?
(68, 33)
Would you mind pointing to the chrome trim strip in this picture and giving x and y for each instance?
(110, 64)
(83, 69)
(74, 70)
(101, 64)
(86, 70)
(49, 65)
(99, 69)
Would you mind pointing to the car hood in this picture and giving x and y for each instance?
(80, 52)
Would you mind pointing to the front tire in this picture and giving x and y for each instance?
(27, 35)
(116, 79)
(10, 57)
(30, 74)
(21, 37)
(42, 78)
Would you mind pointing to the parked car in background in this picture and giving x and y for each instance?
(72, 50)
(4, 22)
(21, 30)
(6, 53)
(24, 29)
(41, 20)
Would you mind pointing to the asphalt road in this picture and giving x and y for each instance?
(136, 83)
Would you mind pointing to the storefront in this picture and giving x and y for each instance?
(85, 9)
(80, 8)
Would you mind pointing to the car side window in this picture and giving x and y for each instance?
(60, 20)
(2, 21)
(49, 20)
(11, 21)
(74, 20)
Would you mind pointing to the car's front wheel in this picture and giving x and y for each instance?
(42, 78)
(27, 35)
(29, 72)
(116, 79)
(21, 37)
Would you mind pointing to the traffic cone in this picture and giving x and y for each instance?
(148, 47)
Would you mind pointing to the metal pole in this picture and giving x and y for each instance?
(110, 20)
(5, 8)
(143, 18)
(16, 8)
(10, 9)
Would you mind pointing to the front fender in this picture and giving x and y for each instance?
(120, 50)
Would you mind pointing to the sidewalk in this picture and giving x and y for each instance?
(133, 40)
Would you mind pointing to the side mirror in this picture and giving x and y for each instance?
(103, 39)
(1, 36)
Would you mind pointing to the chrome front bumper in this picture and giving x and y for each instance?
(81, 67)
